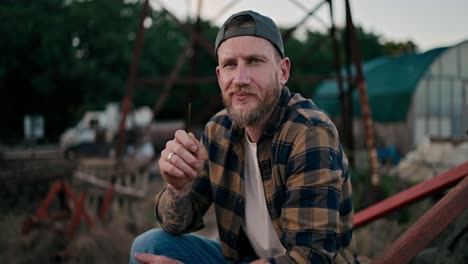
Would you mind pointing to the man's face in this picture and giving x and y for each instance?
(250, 75)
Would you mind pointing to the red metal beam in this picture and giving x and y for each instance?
(132, 74)
(411, 195)
(76, 203)
(42, 211)
(79, 210)
(421, 233)
(106, 203)
(42, 215)
(363, 98)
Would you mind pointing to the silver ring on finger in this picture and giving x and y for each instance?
(169, 157)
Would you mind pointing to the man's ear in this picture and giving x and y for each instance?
(285, 66)
(217, 72)
(217, 75)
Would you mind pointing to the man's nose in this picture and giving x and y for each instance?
(242, 76)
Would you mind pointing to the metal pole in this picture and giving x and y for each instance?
(348, 113)
(126, 102)
(364, 101)
(339, 77)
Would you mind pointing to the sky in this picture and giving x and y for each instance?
(428, 23)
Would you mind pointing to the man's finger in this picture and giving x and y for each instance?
(191, 143)
(145, 258)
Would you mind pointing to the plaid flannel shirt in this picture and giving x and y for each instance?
(305, 178)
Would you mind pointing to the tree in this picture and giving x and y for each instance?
(61, 58)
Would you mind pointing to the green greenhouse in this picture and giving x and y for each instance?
(411, 97)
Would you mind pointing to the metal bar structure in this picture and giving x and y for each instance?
(303, 7)
(364, 100)
(427, 117)
(339, 77)
(439, 95)
(78, 207)
(431, 224)
(42, 212)
(171, 80)
(132, 74)
(79, 211)
(106, 202)
(348, 111)
(411, 195)
(464, 115)
(60, 190)
(204, 43)
(288, 33)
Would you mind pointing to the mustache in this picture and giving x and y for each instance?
(243, 89)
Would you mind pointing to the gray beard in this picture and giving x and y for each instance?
(241, 119)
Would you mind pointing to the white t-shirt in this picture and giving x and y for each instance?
(257, 224)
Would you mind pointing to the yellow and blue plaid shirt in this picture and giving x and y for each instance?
(305, 178)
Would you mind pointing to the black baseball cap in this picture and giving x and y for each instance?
(263, 27)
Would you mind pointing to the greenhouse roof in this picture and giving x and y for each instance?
(391, 82)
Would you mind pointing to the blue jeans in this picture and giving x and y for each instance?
(188, 248)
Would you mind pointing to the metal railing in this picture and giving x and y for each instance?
(426, 228)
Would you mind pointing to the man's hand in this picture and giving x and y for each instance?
(145, 258)
(181, 161)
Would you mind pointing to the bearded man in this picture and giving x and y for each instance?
(271, 163)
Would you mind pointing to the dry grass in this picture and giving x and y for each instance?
(102, 244)
(107, 242)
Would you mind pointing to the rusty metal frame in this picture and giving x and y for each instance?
(411, 195)
(132, 75)
(62, 191)
(431, 224)
(106, 203)
(363, 99)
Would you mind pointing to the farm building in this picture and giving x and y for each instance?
(411, 96)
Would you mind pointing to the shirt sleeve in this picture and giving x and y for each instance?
(310, 214)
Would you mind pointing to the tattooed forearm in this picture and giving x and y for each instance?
(175, 211)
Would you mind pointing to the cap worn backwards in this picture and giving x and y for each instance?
(262, 27)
